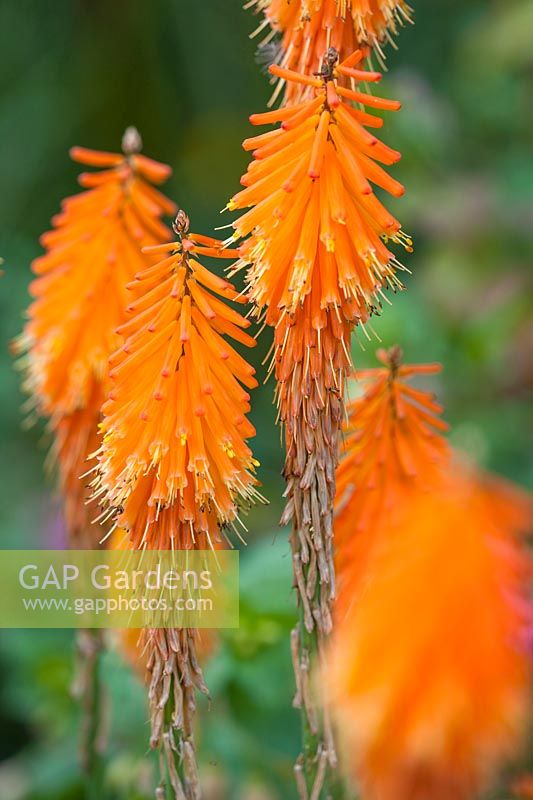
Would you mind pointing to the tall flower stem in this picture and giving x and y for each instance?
(89, 690)
(316, 253)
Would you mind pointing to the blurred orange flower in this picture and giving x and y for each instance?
(523, 787)
(392, 446)
(75, 440)
(92, 253)
(80, 297)
(428, 677)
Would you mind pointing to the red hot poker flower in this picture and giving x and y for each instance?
(309, 27)
(80, 297)
(444, 589)
(174, 466)
(92, 253)
(401, 498)
(315, 224)
(174, 463)
(393, 439)
(318, 264)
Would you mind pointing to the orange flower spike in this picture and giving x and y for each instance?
(454, 618)
(79, 300)
(175, 427)
(400, 494)
(304, 181)
(308, 27)
(393, 445)
(93, 252)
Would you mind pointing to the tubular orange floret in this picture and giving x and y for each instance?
(309, 27)
(313, 209)
(174, 463)
(466, 611)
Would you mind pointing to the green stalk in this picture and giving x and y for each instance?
(89, 691)
(316, 770)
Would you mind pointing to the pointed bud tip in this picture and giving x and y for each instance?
(131, 141)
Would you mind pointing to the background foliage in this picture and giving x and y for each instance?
(183, 71)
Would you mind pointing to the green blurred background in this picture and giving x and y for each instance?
(80, 71)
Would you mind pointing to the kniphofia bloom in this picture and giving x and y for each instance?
(428, 677)
(392, 445)
(79, 293)
(309, 27)
(318, 262)
(315, 226)
(316, 249)
(174, 462)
